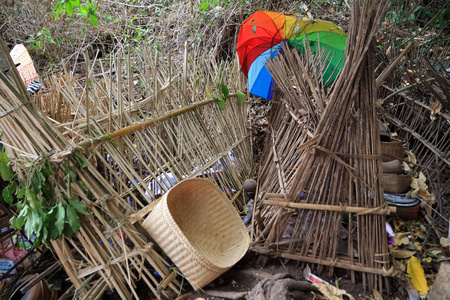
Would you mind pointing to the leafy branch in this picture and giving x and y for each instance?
(225, 93)
(68, 6)
(46, 208)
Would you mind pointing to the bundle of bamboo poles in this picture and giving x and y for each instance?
(338, 172)
(141, 125)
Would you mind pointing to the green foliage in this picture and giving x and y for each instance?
(225, 93)
(41, 39)
(89, 10)
(407, 13)
(42, 208)
(241, 96)
(5, 172)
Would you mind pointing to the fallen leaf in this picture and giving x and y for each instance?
(417, 275)
(402, 253)
(332, 293)
(436, 108)
(397, 224)
(411, 157)
(401, 239)
(377, 295)
(418, 246)
(434, 252)
(445, 242)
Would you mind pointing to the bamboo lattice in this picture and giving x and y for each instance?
(142, 123)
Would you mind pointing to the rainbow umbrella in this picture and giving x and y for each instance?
(260, 38)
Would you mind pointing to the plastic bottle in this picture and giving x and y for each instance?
(249, 209)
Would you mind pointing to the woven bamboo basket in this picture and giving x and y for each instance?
(392, 167)
(396, 183)
(391, 150)
(199, 229)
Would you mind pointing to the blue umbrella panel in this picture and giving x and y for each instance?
(260, 82)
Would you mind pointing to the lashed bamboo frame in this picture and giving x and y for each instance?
(338, 167)
(164, 126)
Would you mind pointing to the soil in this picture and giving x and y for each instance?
(244, 276)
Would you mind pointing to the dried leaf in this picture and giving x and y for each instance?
(436, 108)
(417, 275)
(402, 253)
(401, 239)
(332, 293)
(377, 295)
(445, 242)
(420, 189)
(397, 224)
(411, 157)
(418, 246)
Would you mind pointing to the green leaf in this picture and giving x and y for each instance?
(73, 219)
(8, 193)
(78, 206)
(60, 215)
(225, 91)
(75, 2)
(32, 200)
(241, 96)
(37, 242)
(21, 194)
(5, 172)
(69, 8)
(221, 103)
(83, 10)
(19, 221)
(32, 223)
(254, 29)
(94, 20)
(58, 11)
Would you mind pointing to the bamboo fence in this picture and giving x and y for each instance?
(142, 123)
(337, 168)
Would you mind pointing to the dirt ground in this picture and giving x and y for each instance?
(244, 276)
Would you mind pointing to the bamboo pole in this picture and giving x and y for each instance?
(381, 210)
(142, 125)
